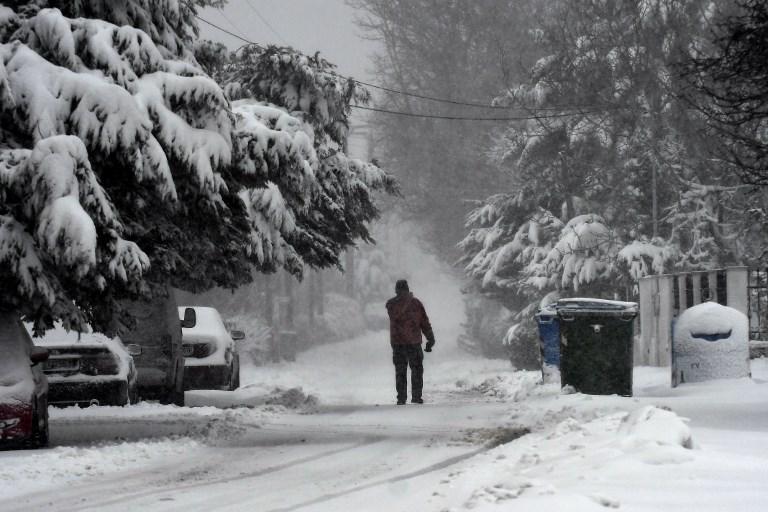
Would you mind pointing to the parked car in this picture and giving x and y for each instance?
(23, 387)
(210, 356)
(155, 344)
(87, 369)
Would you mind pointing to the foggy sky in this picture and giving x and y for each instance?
(307, 25)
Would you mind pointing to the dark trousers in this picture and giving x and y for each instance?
(404, 356)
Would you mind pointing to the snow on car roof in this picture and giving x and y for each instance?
(208, 321)
(60, 337)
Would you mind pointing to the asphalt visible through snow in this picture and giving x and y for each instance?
(297, 462)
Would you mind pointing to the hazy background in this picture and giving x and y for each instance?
(326, 26)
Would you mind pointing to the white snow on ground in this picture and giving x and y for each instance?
(698, 447)
(588, 453)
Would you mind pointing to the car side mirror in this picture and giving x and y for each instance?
(133, 349)
(237, 335)
(190, 318)
(38, 355)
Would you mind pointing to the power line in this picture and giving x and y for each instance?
(264, 20)
(222, 29)
(231, 23)
(466, 118)
(423, 96)
(430, 98)
(469, 103)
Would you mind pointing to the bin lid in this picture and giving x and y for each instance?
(547, 311)
(596, 306)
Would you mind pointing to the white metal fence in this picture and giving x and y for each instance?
(664, 297)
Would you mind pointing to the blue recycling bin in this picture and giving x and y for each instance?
(549, 340)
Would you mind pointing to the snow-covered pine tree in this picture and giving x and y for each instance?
(93, 127)
(110, 133)
(341, 189)
(613, 148)
(613, 162)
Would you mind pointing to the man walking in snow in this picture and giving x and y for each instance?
(407, 321)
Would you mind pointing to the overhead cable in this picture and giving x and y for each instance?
(469, 118)
(265, 21)
(578, 108)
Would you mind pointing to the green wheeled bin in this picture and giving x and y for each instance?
(596, 345)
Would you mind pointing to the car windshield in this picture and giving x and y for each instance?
(14, 353)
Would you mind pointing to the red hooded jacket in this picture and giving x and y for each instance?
(407, 320)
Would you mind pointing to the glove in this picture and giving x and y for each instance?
(429, 346)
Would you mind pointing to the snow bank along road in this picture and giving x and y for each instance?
(348, 453)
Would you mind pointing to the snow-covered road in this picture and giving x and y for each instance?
(277, 461)
(583, 452)
(352, 449)
(344, 454)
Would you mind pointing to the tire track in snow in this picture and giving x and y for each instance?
(405, 476)
(78, 503)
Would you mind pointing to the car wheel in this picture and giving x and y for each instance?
(39, 438)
